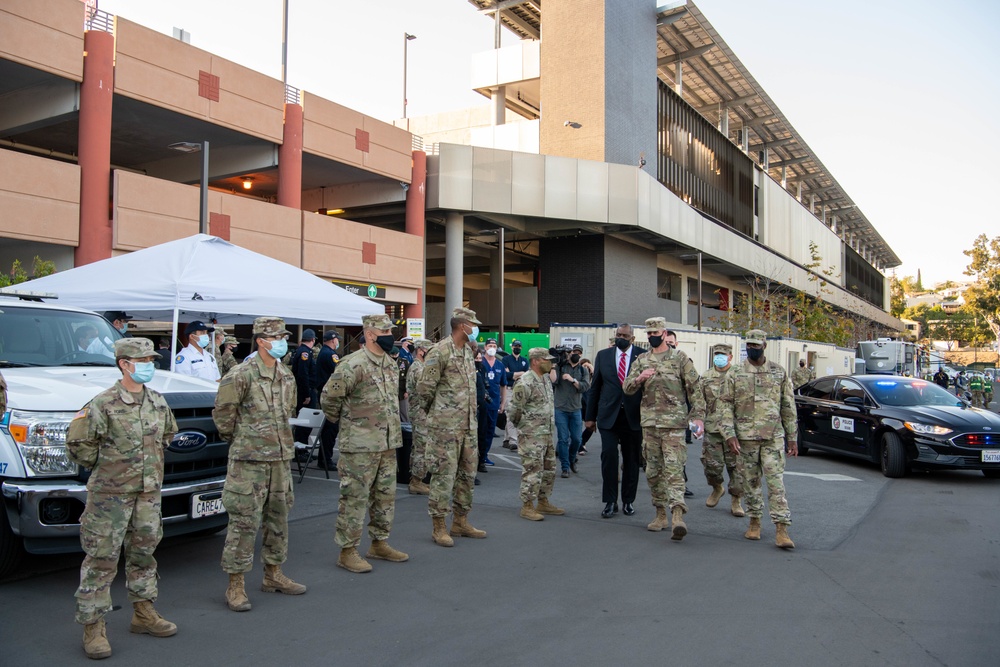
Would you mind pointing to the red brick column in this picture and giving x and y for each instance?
(416, 198)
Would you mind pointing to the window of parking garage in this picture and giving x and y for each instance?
(864, 279)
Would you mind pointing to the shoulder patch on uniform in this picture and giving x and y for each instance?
(179, 358)
(335, 357)
(81, 413)
(305, 356)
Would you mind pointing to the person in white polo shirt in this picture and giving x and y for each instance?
(195, 359)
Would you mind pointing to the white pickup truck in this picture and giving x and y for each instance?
(54, 359)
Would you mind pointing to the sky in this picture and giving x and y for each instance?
(895, 97)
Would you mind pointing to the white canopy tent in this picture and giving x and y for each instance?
(203, 277)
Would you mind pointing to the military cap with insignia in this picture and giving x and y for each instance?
(270, 326)
(756, 336)
(466, 314)
(379, 321)
(134, 348)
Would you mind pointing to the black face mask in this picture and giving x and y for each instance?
(574, 358)
(516, 349)
(623, 343)
(385, 342)
(479, 365)
(655, 341)
(755, 353)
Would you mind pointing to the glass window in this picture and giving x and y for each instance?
(850, 388)
(821, 388)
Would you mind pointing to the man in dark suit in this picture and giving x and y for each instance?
(326, 364)
(617, 419)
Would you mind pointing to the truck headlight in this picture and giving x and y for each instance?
(41, 437)
(927, 429)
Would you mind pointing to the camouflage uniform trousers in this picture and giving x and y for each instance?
(538, 458)
(256, 493)
(716, 457)
(418, 463)
(765, 458)
(367, 481)
(451, 458)
(108, 522)
(666, 453)
(977, 399)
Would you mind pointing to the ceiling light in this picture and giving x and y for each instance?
(334, 211)
(247, 182)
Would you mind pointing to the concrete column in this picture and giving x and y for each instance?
(679, 78)
(96, 97)
(812, 204)
(498, 105)
(724, 122)
(824, 214)
(798, 191)
(784, 178)
(685, 296)
(290, 159)
(416, 199)
(454, 264)
(833, 224)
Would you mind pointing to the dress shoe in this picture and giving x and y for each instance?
(688, 492)
(610, 509)
(583, 450)
(627, 509)
(565, 474)
(481, 468)
(477, 482)
(572, 466)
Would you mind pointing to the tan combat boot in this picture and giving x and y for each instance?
(236, 595)
(737, 509)
(418, 488)
(440, 534)
(95, 641)
(753, 532)
(528, 512)
(782, 540)
(660, 522)
(145, 620)
(713, 498)
(460, 527)
(275, 581)
(352, 561)
(680, 528)
(381, 550)
(545, 507)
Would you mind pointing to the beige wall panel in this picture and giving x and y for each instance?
(396, 244)
(149, 46)
(161, 87)
(324, 112)
(391, 137)
(148, 211)
(527, 184)
(491, 180)
(44, 35)
(560, 187)
(389, 163)
(400, 295)
(281, 248)
(335, 231)
(249, 100)
(335, 263)
(330, 143)
(40, 199)
(251, 215)
(592, 191)
(397, 271)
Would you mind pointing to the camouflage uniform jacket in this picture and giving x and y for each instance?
(252, 410)
(800, 376)
(227, 362)
(3, 395)
(122, 440)
(362, 394)
(532, 410)
(446, 390)
(417, 415)
(667, 395)
(757, 403)
(711, 388)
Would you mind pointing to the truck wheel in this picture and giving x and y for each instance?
(10, 545)
(893, 455)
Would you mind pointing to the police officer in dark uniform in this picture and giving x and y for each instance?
(326, 364)
(304, 370)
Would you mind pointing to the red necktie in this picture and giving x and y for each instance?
(621, 368)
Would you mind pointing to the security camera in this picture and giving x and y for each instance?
(405, 186)
(566, 123)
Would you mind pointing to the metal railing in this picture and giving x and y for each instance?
(96, 19)
(292, 95)
(418, 142)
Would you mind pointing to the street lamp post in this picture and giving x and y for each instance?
(194, 147)
(406, 39)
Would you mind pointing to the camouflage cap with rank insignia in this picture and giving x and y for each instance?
(539, 353)
(423, 344)
(134, 348)
(378, 321)
(270, 326)
(656, 323)
(722, 348)
(756, 337)
(466, 314)
(230, 340)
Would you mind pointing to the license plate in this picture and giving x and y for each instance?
(206, 504)
(991, 455)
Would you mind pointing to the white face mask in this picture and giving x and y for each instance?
(491, 352)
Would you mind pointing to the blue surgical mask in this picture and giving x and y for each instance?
(203, 341)
(720, 360)
(475, 333)
(279, 348)
(124, 329)
(143, 372)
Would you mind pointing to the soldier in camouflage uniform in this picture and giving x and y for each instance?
(120, 435)
(255, 401)
(362, 395)
(715, 456)
(226, 360)
(801, 375)
(756, 416)
(418, 420)
(671, 398)
(446, 392)
(533, 411)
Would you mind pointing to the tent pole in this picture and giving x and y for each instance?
(173, 340)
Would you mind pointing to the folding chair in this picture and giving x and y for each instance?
(313, 420)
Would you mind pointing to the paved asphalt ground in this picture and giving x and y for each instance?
(886, 572)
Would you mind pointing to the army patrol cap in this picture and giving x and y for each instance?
(230, 340)
(134, 348)
(539, 353)
(466, 314)
(656, 323)
(423, 344)
(756, 336)
(722, 348)
(270, 326)
(379, 321)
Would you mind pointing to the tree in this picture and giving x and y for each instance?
(983, 297)
(897, 299)
(39, 268)
(919, 286)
